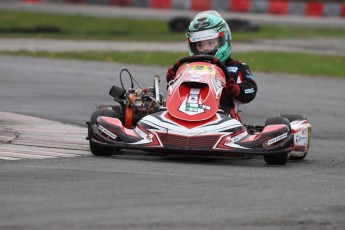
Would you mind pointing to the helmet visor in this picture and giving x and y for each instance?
(206, 42)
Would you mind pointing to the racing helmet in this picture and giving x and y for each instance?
(208, 26)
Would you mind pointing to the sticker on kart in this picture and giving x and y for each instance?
(192, 104)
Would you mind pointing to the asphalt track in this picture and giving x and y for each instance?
(315, 46)
(68, 188)
(143, 191)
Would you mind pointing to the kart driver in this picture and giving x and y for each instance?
(209, 33)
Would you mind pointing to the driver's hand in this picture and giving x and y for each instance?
(170, 75)
(232, 88)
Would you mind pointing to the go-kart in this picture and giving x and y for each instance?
(190, 122)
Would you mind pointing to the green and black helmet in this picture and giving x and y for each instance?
(209, 25)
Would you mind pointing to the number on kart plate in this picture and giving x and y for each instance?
(200, 67)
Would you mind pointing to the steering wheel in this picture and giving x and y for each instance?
(202, 58)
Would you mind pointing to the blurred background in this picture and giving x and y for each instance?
(287, 36)
(295, 7)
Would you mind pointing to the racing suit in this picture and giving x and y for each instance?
(243, 77)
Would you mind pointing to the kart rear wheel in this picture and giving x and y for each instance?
(277, 120)
(277, 159)
(96, 149)
(116, 108)
(293, 117)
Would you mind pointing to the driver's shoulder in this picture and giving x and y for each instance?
(234, 62)
(235, 65)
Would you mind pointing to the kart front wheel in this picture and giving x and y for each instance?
(96, 149)
(297, 156)
(282, 158)
(277, 159)
(99, 150)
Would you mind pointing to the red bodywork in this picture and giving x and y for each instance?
(200, 103)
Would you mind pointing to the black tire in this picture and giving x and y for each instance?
(96, 149)
(291, 118)
(179, 24)
(116, 108)
(102, 112)
(99, 150)
(277, 159)
(278, 120)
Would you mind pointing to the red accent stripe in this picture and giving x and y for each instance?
(162, 4)
(201, 5)
(128, 117)
(313, 9)
(239, 5)
(278, 6)
(342, 10)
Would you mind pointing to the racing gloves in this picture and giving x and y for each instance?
(232, 89)
(170, 75)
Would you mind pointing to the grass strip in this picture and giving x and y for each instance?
(264, 61)
(45, 25)
(295, 63)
